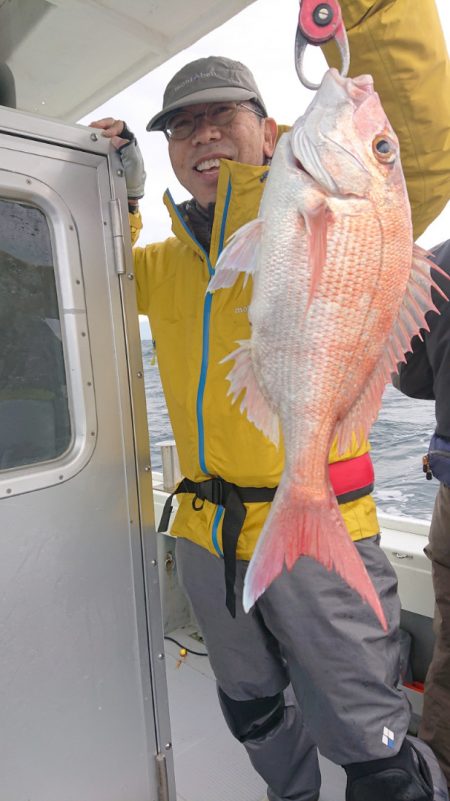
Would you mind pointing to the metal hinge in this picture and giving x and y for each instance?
(161, 773)
(117, 234)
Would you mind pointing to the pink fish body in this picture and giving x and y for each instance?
(338, 292)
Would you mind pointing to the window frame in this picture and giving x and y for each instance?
(65, 247)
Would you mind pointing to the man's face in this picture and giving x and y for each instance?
(195, 160)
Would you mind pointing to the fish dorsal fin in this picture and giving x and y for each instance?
(239, 256)
(242, 379)
(417, 301)
(410, 320)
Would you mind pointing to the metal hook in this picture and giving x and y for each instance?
(319, 23)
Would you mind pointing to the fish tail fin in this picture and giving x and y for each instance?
(298, 525)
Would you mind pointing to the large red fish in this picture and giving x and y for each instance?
(339, 289)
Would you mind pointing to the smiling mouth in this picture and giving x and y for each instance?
(207, 164)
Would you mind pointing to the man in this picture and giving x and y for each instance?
(308, 629)
(427, 375)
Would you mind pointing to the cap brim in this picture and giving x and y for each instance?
(157, 122)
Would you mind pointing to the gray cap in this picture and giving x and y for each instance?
(207, 80)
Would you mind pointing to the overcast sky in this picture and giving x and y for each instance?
(262, 36)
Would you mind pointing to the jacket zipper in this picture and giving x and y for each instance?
(205, 355)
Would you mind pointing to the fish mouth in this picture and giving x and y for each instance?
(358, 88)
(364, 83)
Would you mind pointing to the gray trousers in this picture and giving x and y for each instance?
(435, 726)
(311, 631)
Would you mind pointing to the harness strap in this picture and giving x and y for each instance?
(351, 479)
(232, 499)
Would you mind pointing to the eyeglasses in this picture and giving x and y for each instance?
(183, 123)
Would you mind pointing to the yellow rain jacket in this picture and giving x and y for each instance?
(194, 332)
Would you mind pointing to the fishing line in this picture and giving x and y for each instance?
(185, 648)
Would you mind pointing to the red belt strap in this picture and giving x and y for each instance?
(352, 478)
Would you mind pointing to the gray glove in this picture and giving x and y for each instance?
(133, 165)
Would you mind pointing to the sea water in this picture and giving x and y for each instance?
(399, 439)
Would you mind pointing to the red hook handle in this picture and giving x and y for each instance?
(319, 22)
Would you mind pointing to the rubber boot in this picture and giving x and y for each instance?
(406, 776)
(439, 780)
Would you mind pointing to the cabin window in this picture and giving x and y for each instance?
(34, 412)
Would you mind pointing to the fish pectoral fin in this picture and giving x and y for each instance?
(242, 378)
(317, 215)
(239, 256)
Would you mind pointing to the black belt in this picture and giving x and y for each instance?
(232, 498)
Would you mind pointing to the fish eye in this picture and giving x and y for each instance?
(384, 149)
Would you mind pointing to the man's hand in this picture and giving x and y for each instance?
(112, 129)
(125, 142)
